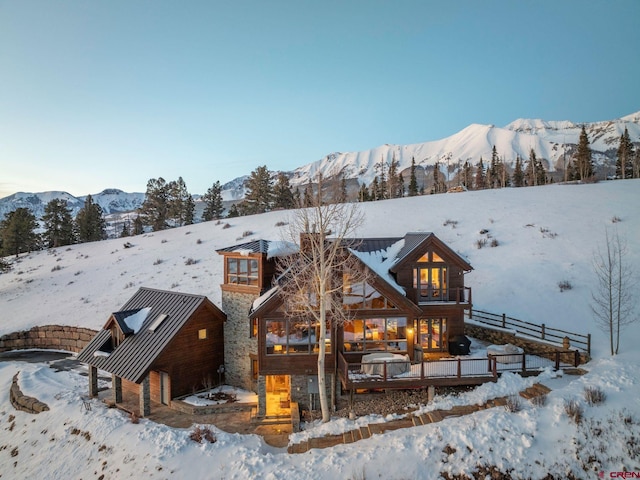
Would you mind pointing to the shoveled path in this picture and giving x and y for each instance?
(434, 416)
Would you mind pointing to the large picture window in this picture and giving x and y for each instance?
(242, 271)
(361, 295)
(295, 336)
(376, 334)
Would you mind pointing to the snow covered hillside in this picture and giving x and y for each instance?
(544, 235)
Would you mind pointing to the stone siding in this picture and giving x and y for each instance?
(497, 336)
(56, 337)
(238, 345)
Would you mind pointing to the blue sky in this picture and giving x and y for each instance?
(109, 94)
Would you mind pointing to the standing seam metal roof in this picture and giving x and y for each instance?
(133, 358)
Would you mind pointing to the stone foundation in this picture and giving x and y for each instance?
(53, 337)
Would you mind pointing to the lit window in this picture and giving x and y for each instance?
(242, 271)
(202, 334)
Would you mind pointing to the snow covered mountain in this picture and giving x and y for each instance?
(551, 140)
(111, 200)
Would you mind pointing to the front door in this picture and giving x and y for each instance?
(165, 390)
(278, 395)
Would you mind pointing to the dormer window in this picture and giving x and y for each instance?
(242, 271)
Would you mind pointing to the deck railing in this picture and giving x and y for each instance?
(475, 369)
(534, 330)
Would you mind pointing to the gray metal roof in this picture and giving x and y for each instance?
(255, 246)
(133, 358)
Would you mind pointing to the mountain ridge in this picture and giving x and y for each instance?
(553, 141)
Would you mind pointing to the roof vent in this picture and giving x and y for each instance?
(156, 323)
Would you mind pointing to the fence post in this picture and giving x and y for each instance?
(504, 320)
(589, 344)
(422, 369)
(577, 359)
(488, 363)
(495, 367)
(459, 368)
(542, 331)
(524, 362)
(557, 360)
(384, 371)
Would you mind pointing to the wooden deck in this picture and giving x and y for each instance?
(456, 371)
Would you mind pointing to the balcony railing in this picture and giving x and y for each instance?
(452, 295)
(452, 371)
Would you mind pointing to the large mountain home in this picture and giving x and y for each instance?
(410, 307)
(158, 346)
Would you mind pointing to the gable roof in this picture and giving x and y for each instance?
(254, 246)
(133, 358)
(416, 243)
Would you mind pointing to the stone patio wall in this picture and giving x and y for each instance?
(53, 337)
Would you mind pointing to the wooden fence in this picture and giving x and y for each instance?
(534, 330)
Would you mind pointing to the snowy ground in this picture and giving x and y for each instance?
(545, 235)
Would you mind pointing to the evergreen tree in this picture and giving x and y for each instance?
(17, 232)
(307, 199)
(374, 189)
(494, 172)
(636, 163)
(518, 174)
(125, 229)
(342, 197)
(283, 196)
(156, 207)
(138, 225)
(383, 187)
(413, 181)
(213, 203)
(584, 163)
(180, 203)
(189, 210)
(531, 175)
(467, 175)
(439, 186)
(480, 178)
(259, 192)
(58, 224)
(90, 222)
(395, 182)
(363, 194)
(624, 163)
(233, 211)
(541, 173)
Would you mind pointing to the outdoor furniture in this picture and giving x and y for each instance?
(374, 364)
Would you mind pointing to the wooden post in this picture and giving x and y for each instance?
(589, 344)
(542, 331)
(384, 371)
(93, 381)
(557, 360)
(577, 359)
(459, 367)
(422, 369)
(504, 320)
(524, 362)
(495, 367)
(488, 363)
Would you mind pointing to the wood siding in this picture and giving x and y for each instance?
(189, 360)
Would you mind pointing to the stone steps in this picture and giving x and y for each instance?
(364, 432)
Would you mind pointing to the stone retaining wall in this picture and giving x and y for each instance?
(499, 336)
(22, 402)
(56, 337)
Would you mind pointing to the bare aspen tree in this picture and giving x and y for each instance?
(311, 282)
(612, 301)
